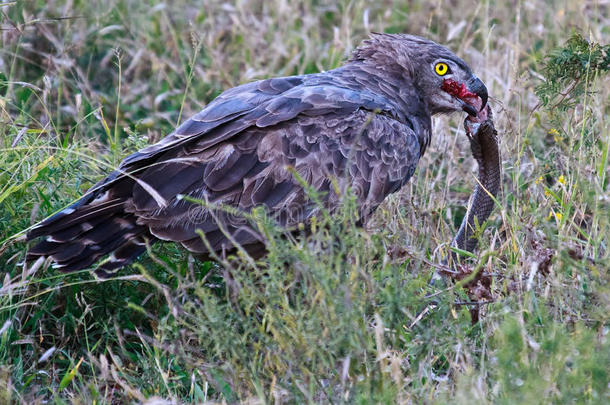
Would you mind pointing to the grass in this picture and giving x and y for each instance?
(342, 315)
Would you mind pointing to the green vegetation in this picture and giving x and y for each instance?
(345, 315)
(571, 70)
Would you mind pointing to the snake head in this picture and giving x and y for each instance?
(472, 123)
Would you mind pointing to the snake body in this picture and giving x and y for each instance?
(484, 146)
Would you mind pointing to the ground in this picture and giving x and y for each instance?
(345, 314)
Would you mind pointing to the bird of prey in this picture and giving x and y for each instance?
(362, 126)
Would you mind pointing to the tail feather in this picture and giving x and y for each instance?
(86, 231)
(121, 257)
(72, 232)
(68, 252)
(110, 229)
(91, 253)
(43, 248)
(75, 215)
(80, 262)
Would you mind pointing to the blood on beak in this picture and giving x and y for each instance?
(472, 97)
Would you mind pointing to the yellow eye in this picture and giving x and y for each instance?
(441, 69)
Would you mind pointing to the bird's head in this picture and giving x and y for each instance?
(445, 82)
(451, 86)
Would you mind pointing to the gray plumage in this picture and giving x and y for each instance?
(364, 125)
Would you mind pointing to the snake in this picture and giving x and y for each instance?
(483, 138)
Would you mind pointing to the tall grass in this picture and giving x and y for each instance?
(343, 315)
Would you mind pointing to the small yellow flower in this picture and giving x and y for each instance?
(539, 180)
(555, 134)
(562, 180)
(558, 216)
(547, 193)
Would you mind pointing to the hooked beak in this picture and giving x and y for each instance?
(476, 86)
